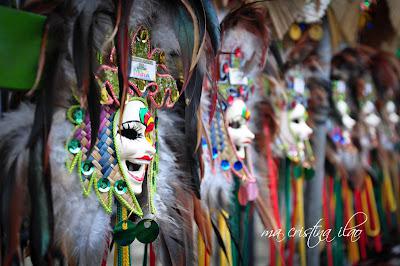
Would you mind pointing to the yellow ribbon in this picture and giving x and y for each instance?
(223, 229)
(353, 251)
(374, 215)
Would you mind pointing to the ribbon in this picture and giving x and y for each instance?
(353, 252)
(273, 192)
(122, 256)
(223, 261)
(325, 210)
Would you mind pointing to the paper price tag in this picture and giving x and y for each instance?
(236, 77)
(143, 69)
(299, 85)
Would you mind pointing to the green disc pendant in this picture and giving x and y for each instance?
(147, 231)
(124, 233)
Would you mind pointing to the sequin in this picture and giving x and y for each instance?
(78, 115)
(120, 187)
(174, 95)
(238, 166)
(87, 168)
(74, 146)
(143, 36)
(225, 165)
(103, 185)
(214, 153)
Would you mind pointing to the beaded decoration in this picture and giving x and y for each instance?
(101, 167)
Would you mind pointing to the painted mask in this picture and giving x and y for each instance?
(339, 91)
(390, 109)
(298, 125)
(133, 144)
(237, 116)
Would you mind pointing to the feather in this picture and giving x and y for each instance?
(83, 62)
(41, 206)
(212, 24)
(219, 239)
(200, 218)
(191, 129)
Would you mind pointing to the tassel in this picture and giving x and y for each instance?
(122, 256)
(152, 256)
(363, 236)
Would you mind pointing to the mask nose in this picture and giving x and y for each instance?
(247, 134)
(307, 131)
(148, 149)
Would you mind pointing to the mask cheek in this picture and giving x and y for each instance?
(234, 133)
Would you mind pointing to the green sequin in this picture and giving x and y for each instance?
(120, 187)
(103, 184)
(87, 168)
(74, 146)
(78, 116)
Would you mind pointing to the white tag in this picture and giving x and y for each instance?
(143, 69)
(368, 89)
(236, 77)
(341, 86)
(299, 85)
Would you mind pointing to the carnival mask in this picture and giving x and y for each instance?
(339, 87)
(132, 143)
(297, 123)
(237, 115)
(390, 109)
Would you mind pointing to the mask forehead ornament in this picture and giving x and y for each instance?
(123, 163)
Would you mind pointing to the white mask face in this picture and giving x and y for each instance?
(371, 119)
(237, 115)
(343, 109)
(297, 123)
(391, 111)
(135, 151)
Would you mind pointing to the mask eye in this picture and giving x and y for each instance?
(130, 130)
(235, 124)
(296, 121)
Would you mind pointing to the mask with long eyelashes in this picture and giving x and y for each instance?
(123, 163)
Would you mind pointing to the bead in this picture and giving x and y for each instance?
(78, 115)
(225, 165)
(214, 153)
(238, 53)
(87, 168)
(225, 68)
(103, 184)
(120, 187)
(238, 166)
(74, 146)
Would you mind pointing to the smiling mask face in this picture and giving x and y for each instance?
(133, 144)
(237, 116)
(297, 123)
